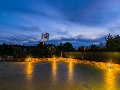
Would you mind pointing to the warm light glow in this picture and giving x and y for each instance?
(54, 70)
(110, 79)
(110, 65)
(28, 59)
(70, 67)
(110, 70)
(29, 70)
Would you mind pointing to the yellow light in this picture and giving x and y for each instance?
(70, 67)
(29, 59)
(110, 79)
(29, 70)
(110, 65)
(110, 70)
(70, 59)
(54, 70)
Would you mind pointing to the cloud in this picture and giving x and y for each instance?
(23, 40)
(77, 42)
(76, 21)
(29, 28)
(94, 12)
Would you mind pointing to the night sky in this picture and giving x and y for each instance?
(81, 22)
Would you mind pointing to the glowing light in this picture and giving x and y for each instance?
(110, 70)
(70, 59)
(29, 59)
(54, 70)
(29, 70)
(110, 65)
(70, 67)
(110, 79)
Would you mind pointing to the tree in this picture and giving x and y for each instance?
(81, 49)
(67, 47)
(17, 50)
(94, 48)
(6, 49)
(59, 49)
(112, 43)
(51, 50)
(41, 49)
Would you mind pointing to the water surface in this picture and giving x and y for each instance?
(57, 76)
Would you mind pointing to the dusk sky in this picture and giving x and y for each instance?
(81, 22)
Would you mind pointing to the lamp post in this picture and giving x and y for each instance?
(45, 37)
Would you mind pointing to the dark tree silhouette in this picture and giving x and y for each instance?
(51, 50)
(67, 47)
(112, 43)
(94, 48)
(81, 49)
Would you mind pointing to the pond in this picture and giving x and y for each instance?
(52, 75)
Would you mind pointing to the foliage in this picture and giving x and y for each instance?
(112, 43)
(81, 49)
(51, 50)
(95, 56)
(67, 47)
(94, 48)
(6, 49)
(48, 50)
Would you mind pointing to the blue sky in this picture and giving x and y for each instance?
(81, 22)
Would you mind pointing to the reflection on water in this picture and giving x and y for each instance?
(54, 70)
(56, 75)
(70, 70)
(110, 79)
(29, 70)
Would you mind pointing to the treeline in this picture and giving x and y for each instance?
(41, 50)
(112, 44)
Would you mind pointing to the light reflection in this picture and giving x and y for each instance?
(29, 70)
(29, 59)
(110, 64)
(110, 79)
(54, 70)
(70, 67)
